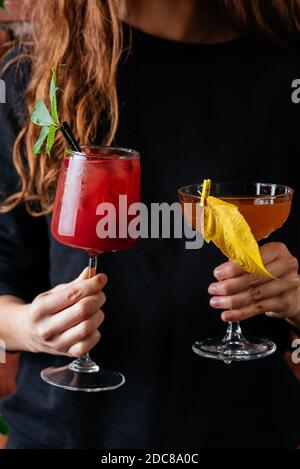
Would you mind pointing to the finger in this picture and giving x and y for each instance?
(84, 346)
(83, 276)
(79, 332)
(70, 317)
(51, 351)
(74, 292)
(271, 314)
(254, 294)
(269, 253)
(277, 304)
(235, 285)
(228, 270)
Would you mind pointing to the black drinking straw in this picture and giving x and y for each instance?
(69, 136)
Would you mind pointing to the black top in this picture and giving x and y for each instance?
(221, 111)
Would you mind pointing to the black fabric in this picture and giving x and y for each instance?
(222, 111)
(20, 441)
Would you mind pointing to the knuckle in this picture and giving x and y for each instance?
(252, 279)
(84, 330)
(286, 302)
(97, 336)
(294, 281)
(103, 298)
(230, 271)
(96, 302)
(255, 294)
(258, 308)
(225, 288)
(43, 334)
(73, 293)
(101, 316)
(82, 310)
(293, 263)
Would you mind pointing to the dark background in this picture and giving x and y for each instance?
(12, 24)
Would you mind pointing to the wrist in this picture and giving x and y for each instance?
(19, 330)
(15, 325)
(24, 329)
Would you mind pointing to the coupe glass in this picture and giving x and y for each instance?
(87, 180)
(265, 207)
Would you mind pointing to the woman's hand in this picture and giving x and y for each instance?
(241, 295)
(65, 320)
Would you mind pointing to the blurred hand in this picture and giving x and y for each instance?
(241, 295)
(65, 320)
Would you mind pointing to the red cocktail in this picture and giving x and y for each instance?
(96, 189)
(82, 216)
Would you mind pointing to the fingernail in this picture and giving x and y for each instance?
(212, 289)
(219, 274)
(102, 278)
(84, 273)
(215, 302)
(225, 317)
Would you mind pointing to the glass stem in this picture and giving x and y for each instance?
(233, 333)
(85, 364)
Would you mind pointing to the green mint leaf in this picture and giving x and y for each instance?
(41, 115)
(47, 119)
(50, 139)
(39, 143)
(4, 428)
(2, 4)
(53, 99)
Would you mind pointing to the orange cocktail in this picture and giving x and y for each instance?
(265, 207)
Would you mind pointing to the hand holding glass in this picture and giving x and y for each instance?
(265, 207)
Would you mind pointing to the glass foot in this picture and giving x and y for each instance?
(234, 349)
(91, 380)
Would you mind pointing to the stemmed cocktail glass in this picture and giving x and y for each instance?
(265, 207)
(87, 180)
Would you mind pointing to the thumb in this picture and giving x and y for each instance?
(271, 314)
(84, 275)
